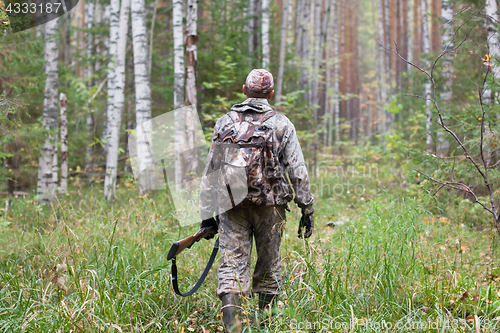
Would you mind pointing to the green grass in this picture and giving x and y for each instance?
(392, 261)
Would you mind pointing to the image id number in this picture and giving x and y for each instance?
(32, 8)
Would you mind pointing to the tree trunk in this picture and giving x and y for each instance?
(114, 27)
(410, 34)
(442, 144)
(494, 50)
(46, 184)
(178, 88)
(89, 71)
(191, 162)
(265, 34)
(281, 67)
(320, 24)
(382, 71)
(115, 118)
(63, 104)
(142, 91)
(427, 86)
(299, 23)
(252, 18)
(329, 103)
(493, 44)
(305, 48)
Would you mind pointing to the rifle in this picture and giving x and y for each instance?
(187, 242)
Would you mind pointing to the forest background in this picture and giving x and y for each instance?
(401, 147)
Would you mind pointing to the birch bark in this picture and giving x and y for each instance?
(442, 144)
(382, 70)
(89, 41)
(114, 27)
(178, 88)
(46, 185)
(115, 118)
(494, 50)
(493, 43)
(410, 34)
(281, 67)
(426, 48)
(142, 91)
(317, 56)
(191, 162)
(265, 34)
(63, 104)
(336, 100)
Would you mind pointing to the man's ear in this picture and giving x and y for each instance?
(244, 90)
(270, 95)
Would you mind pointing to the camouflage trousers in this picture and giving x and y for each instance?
(236, 231)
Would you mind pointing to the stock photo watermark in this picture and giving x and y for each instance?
(442, 324)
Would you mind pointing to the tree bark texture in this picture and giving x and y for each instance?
(265, 34)
(178, 88)
(426, 48)
(442, 143)
(89, 71)
(46, 184)
(114, 27)
(63, 104)
(281, 66)
(142, 90)
(115, 118)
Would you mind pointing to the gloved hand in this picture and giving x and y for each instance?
(211, 222)
(307, 221)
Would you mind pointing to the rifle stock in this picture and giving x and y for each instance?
(187, 242)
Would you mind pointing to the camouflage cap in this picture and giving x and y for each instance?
(260, 81)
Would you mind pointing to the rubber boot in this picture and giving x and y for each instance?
(230, 313)
(266, 300)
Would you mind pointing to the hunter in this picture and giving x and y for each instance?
(267, 144)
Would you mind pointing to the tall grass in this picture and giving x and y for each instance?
(83, 266)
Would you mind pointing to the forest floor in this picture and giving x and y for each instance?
(383, 258)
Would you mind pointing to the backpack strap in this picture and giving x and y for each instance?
(266, 116)
(235, 117)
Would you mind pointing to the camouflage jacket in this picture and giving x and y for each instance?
(289, 152)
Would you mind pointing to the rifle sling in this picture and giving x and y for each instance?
(202, 277)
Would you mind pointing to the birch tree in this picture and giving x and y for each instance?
(442, 144)
(493, 43)
(382, 70)
(331, 93)
(115, 117)
(336, 100)
(317, 57)
(46, 184)
(114, 27)
(252, 9)
(191, 162)
(265, 34)
(410, 34)
(142, 89)
(63, 104)
(426, 48)
(283, 42)
(89, 70)
(178, 88)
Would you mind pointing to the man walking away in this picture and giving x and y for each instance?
(255, 142)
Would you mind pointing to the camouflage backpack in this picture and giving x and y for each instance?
(245, 161)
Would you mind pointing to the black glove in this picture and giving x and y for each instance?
(211, 222)
(306, 221)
